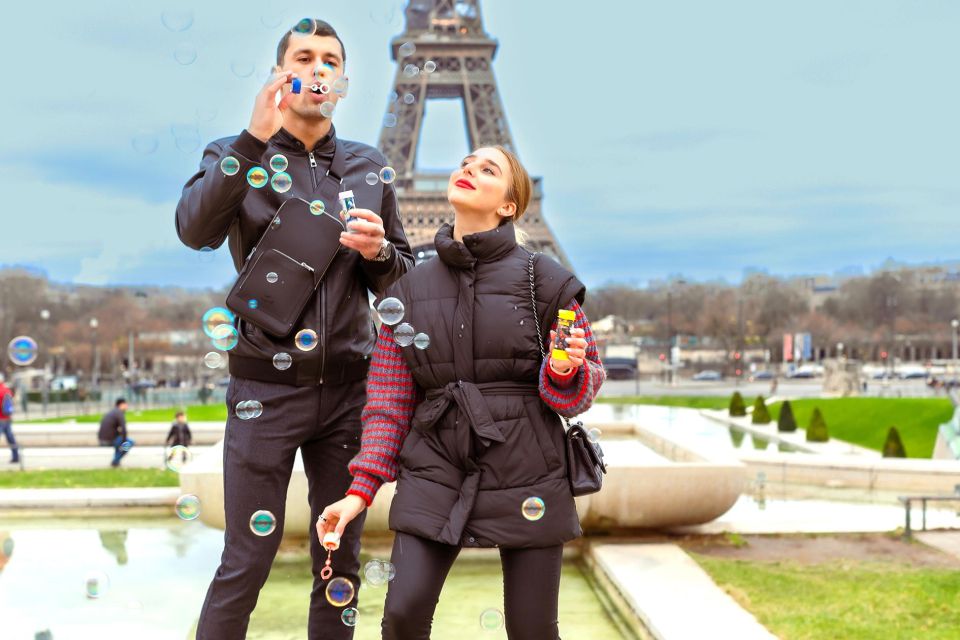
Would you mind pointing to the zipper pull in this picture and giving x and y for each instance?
(313, 161)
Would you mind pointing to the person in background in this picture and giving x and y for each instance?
(6, 419)
(113, 431)
(179, 436)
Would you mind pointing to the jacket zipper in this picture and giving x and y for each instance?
(313, 167)
(323, 328)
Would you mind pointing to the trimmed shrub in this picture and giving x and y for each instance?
(893, 447)
(786, 421)
(737, 406)
(761, 415)
(817, 431)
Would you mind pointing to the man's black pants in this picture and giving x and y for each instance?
(258, 455)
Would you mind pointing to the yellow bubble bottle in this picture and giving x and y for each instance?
(565, 318)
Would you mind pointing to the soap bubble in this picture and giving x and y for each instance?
(317, 207)
(404, 334)
(409, 98)
(373, 573)
(177, 20)
(186, 137)
(390, 120)
(257, 177)
(421, 341)
(340, 592)
(177, 457)
(22, 351)
(96, 584)
(372, 178)
(214, 317)
(185, 53)
(411, 71)
(306, 27)
(327, 109)
(429, 66)
(252, 303)
(263, 523)
(279, 163)
(340, 85)
(188, 507)
(206, 114)
(272, 277)
(388, 175)
(213, 360)
(593, 435)
(349, 616)
(282, 361)
(225, 337)
(249, 409)
(271, 20)
(230, 166)
(491, 620)
(533, 509)
(242, 68)
(281, 182)
(206, 255)
(407, 49)
(306, 340)
(145, 142)
(391, 311)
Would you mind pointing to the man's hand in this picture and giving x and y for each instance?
(338, 515)
(368, 232)
(267, 115)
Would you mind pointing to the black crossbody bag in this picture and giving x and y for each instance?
(585, 467)
(290, 259)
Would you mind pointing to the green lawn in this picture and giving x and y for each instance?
(693, 402)
(88, 478)
(865, 421)
(199, 413)
(843, 599)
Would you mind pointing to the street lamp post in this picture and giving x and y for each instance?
(94, 354)
(955, 324)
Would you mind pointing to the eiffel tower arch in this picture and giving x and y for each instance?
(452, 58)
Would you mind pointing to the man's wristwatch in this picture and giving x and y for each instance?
(384, 254)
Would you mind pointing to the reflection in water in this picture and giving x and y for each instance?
(6, 548)
(116, 543)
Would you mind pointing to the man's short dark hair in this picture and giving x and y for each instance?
(321, 28)
(119, 402)
(178, 414)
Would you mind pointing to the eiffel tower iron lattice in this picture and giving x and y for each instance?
(444, 53)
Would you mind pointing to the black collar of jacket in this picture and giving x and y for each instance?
(327, 148)
(485, 246)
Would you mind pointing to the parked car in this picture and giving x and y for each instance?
(761, 375)
(619, 368)
(801, 374)
(708, 375)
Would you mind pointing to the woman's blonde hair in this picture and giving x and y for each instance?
(519, 191)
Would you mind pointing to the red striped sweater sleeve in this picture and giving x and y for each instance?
(386, 418)
(573, 394)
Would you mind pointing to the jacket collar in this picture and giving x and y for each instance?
(325, 145)
(485, 246)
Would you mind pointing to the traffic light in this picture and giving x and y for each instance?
(736, 355)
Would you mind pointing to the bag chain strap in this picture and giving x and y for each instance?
(536, 317)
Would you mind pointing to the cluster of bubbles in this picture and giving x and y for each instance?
(387, 175)
(263, 523)
(249, 409)
(379, 572)
(22, 351)
(177, 457)
(187, 507)
(533, 509)
(391, 312)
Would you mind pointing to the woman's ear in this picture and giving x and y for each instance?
(508, 210)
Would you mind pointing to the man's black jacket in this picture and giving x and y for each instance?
(215, 207)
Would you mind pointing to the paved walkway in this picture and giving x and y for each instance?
(45, 499)
(35, 458)
(672, 595)
(946, 541)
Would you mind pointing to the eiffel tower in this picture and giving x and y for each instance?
(444, 53)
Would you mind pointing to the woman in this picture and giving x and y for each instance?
(469, 424)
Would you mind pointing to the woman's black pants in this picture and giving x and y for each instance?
(531, 588)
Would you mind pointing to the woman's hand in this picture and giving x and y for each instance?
(576, 352)
(338, 515)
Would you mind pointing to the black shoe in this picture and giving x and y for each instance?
(114, 464)
(17, 461)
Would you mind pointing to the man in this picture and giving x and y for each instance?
(179, 435)
(314, 402)
(6, 419)
(113, 431)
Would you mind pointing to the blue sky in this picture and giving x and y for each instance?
(687, 137)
